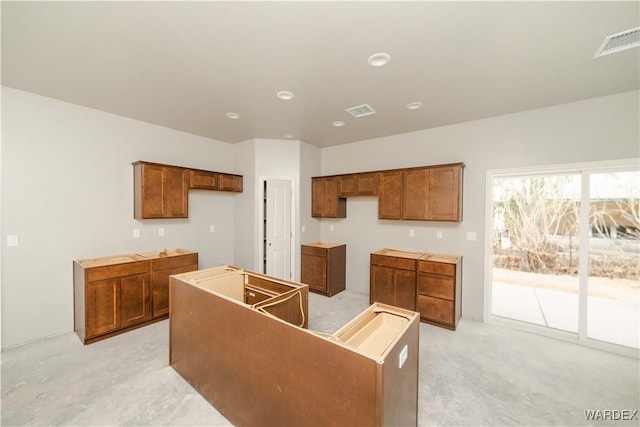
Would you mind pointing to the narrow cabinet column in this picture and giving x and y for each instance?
(323, 267)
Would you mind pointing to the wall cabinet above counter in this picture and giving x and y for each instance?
(426, 193)
(161, 191)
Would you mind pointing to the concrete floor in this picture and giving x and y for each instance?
(478, 375)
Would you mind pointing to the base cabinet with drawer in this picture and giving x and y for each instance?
(164, 264)
(323, 267)
(439, 290)
(393, 278)
(428, 283)
(115, 294)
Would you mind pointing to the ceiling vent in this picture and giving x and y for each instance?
(618, 42)
(361, 110)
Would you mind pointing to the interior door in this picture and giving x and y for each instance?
(278, 228)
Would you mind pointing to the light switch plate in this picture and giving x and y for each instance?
(12, 240)
(212, 228)
(136, 232)
(472, 236)
(160, 231)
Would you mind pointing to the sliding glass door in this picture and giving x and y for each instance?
(613, 313)
(565, 251)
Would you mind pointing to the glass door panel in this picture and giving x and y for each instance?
(613, 313)
(535, 249)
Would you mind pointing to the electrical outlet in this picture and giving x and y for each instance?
(412, 233)
(12, 240)
(402, 357)
(161, 231)
(472, 236)
(136, 232)
(439, 234)
(331, 228)
(212, 228)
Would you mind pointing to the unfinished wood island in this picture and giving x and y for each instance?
(258, 366)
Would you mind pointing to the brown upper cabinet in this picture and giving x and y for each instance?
(207, 180)
(432, 193)
(326, 202)
(228, 182)
(390, 195)
(359, 184)
(426, 193)
(203, 180)
(161, 191)
(445, 193)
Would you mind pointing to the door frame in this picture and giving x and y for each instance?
(260, 254)
(584, 169)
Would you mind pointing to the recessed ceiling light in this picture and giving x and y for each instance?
(288, 135)
(414, 105)
(233, 116)
(285, 94)
(379, 59)
(338, 123)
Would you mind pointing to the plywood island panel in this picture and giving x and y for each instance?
(267, 368)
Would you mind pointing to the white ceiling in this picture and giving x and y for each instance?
(184, 65)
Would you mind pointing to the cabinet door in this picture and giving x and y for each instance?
(160, 288)
(175, 188)
(102, 307)
(445, 190)
(162, 191)
(405, 286)
(382, 287)
(390, 194)
(348, 185)
(152, 190)
(325, 202)
(367, 184)
(393, 286)
(415, 194)
(318, 196)
(228, 182)
(313, 272)
(135, 299)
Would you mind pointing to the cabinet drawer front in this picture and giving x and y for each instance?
(314, 251)
(436, 309)
(389, 261)
(436, 286)
(437, 268)
(174, 261)
(118, 270)
(203, 180)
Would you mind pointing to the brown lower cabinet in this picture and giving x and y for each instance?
(260, 368)
(323, 267)
(393, 278)
(428, 283)
(439, 290)
(115, 294)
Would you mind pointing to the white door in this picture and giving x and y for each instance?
(278, 228)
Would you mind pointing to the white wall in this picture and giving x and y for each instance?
(308, 227)
(67, 192)
(604, 128)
